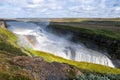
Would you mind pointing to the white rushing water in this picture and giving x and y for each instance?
(60, 46)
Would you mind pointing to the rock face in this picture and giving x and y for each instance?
(39, 69)
(111, 45)
(90, 40)
(2, 24)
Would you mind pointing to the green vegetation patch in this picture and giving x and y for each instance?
(92, 76)
(90, 31)
(81, 65)
(7, 35)
(104, 38)
(8, 42)
(5, 46)
(9, 71)
(7, 76)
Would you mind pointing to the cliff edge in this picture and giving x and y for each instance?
(2, 24)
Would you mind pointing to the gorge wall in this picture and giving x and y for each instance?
(111, 45)
(37, 35)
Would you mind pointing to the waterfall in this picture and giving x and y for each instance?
(35, 36)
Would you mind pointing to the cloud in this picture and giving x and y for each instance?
(81, 8)
(117, 9)
(59, 8)
(37, 1)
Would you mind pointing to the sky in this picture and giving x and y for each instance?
(59, 8)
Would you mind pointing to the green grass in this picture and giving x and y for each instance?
(83, 19)
(7, 35)
(5, 46)
(9, 49)
(7, 76)
(104, 38)
(82, 65)
(92, 76)
(9, 71)
(91, 31)
(107, 33)
(8, 42)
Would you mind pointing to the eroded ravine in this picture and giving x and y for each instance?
(35, 36)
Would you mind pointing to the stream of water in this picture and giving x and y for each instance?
(36, 37)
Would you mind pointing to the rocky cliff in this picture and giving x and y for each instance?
(104, 38)
(2, 24)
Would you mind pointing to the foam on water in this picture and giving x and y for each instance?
(60, 46)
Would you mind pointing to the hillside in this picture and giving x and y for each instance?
(15, 64)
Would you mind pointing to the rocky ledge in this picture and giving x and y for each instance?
(112, 45)
(38, 69)
(2, 24)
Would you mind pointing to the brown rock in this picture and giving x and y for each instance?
(39, 69)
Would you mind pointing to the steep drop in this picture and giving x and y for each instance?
(35, 36)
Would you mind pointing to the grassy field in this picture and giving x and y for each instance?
(98, 23)
(82, 19)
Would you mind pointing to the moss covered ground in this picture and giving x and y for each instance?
(82, 65)
(9, 49)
